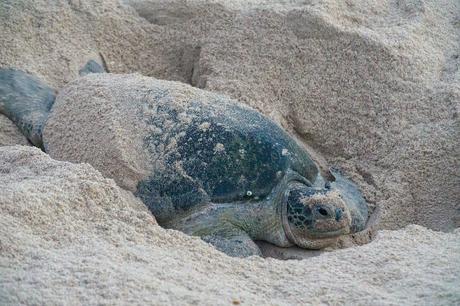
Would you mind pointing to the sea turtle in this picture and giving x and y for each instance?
(219, 169)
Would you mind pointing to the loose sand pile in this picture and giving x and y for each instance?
(371, 86)
(95, 243)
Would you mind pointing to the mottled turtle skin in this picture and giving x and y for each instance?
(233, 176)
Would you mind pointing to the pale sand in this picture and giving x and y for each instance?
(372, 86)
(70, 236)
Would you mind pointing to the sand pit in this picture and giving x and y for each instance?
(372, 87)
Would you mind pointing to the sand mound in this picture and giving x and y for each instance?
(95, 243)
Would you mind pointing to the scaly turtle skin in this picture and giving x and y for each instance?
(230, 175)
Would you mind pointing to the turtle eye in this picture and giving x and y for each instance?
(323, 212)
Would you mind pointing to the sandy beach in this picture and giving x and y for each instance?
(370, 87)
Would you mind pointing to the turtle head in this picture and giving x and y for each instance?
(313, 217)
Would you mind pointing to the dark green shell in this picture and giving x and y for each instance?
(227, 152)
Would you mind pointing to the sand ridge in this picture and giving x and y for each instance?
(97, 244)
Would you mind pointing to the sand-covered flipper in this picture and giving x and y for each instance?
(354, 199)
(26, 101)
(91, 67)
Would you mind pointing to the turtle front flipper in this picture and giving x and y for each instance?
(233, 242)
(26, 101)
(353, 198)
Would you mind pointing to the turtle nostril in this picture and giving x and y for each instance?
(323, 211)
(338, 214)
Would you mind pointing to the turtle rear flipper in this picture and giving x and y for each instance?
(235, 243)
(91, 67)
(26, 101)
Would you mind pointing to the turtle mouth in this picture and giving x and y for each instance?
(314, 239)
(331, 234)
(309, 241)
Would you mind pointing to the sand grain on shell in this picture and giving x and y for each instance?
(122, 111)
